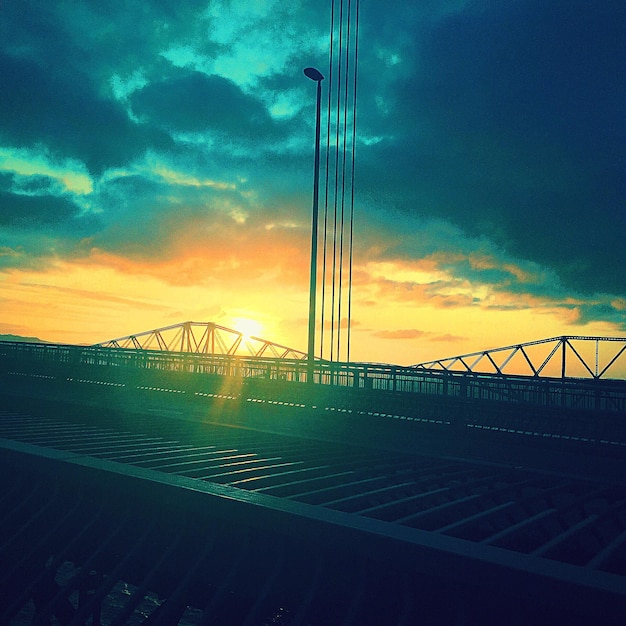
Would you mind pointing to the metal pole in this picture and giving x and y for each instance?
(316, 76)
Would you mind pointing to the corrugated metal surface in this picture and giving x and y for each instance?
(91, 551)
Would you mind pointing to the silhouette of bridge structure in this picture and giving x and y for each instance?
(203, 338)
(193, 475)
(584, 351)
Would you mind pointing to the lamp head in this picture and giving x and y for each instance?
(313, 74)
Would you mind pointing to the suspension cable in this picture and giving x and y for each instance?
(352, 177)
(330, 89)
(343, 180)
(338, 274)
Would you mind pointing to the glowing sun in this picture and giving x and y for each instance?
(247, 327)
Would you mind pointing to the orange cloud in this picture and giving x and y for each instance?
(448, 338)
(437, 295)
(412, 333)
(197, 251)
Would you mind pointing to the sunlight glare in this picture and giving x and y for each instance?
(247, 327)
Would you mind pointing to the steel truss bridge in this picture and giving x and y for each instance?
(570, 355)
(592, 394)
(203, 338)
(151, 486)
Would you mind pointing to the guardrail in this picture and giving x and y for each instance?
(573, 393)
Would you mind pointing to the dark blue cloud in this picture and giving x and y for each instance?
(94, 39)
(34, 212)
(37, 227)
(514, 129)
(64, 114)
(193, 101)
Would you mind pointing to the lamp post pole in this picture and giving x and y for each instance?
(314, 75)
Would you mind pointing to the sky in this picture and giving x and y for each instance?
(156, 165)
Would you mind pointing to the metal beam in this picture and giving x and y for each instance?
(559, 343)
(182, 338)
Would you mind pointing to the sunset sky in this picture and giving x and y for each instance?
(156, 164)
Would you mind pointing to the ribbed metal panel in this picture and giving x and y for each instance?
(75, 555)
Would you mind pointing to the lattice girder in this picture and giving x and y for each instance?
(203, 338)
(569, 356)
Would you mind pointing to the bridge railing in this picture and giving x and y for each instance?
(586, 394)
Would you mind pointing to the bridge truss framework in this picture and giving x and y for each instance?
(590, 394)
(568, 356)
(203, 338)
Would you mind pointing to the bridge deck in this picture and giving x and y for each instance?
(243, 524)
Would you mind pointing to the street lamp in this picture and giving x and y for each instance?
(314, 75)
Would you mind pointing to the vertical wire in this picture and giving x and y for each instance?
(343, 180)
(330, 89)
(354, 99)
(334, 272)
